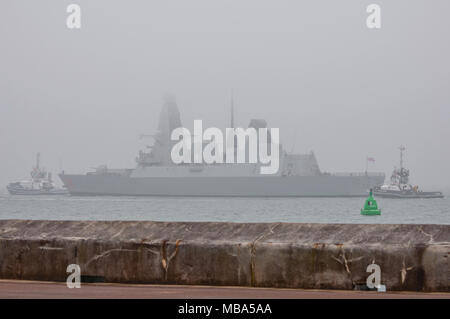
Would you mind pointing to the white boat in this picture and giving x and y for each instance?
(399, 186)
(41, 183)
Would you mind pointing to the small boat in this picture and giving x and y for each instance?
(41, 183)
(399, 186)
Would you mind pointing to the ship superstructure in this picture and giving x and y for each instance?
(157, 175)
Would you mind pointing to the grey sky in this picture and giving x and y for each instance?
(311, 68)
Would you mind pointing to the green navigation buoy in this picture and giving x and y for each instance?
(370, 206)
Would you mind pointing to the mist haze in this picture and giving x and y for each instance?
(311, 68)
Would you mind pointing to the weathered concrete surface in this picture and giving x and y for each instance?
(325, 256)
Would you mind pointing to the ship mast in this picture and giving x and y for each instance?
(403, 173)
(401, 148)
(232, 111)
(232, 138)
(38, 159)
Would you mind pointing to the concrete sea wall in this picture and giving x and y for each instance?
(328, 256)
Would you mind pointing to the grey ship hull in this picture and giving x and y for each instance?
(406, 194)
(157, 175)
(257, 186)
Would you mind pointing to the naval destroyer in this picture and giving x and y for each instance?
(157, 175)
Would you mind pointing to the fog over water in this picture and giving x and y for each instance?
(311, 68)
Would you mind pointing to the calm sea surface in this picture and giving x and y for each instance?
(300, 210)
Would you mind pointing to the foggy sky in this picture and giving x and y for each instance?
(311, 68)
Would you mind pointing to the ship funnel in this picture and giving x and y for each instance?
(38, 160)
(169, 118)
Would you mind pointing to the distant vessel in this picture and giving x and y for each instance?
(156, 174)
(399, 186)
(41, 183)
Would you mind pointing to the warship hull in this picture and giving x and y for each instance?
(255, 186)
(156, 174)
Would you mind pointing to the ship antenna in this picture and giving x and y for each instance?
(402, 148)
(232, 110)
(38, 157)
(232, 122)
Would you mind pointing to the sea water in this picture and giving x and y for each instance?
(224, 209)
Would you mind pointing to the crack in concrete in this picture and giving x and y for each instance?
(404, 271)
(106, 253)
(432, 238)
(154, 252)
(50, 248)
(165, 261)
(426, 234)
(253, 252)
(345, 262)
